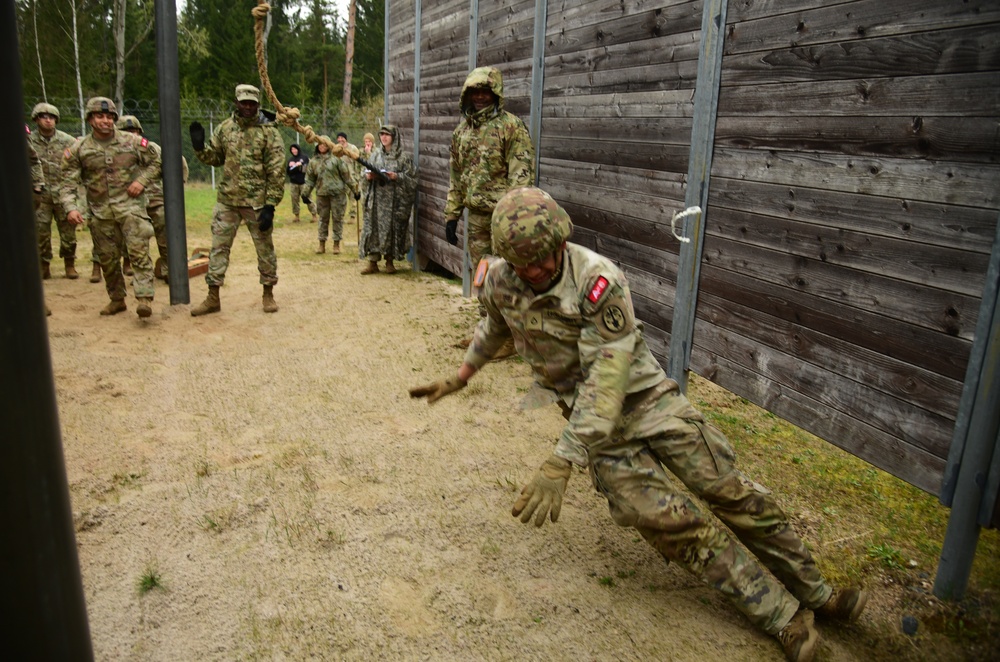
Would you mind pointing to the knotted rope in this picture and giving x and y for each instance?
(288, 116)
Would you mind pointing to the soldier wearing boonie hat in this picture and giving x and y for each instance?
(569, 312)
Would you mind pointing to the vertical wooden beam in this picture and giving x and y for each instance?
(538, 79)
(415, 219)
(385, 64)
(706, 107)
(969, 484)
(473, 59)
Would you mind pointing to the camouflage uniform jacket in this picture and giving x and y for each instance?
(50, 153)
(37, 174)
(105, 170)
(328, 175)
(252, 155)
(583, 344)
(154, 194)
(491, 151)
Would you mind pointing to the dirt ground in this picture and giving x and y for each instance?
(272, 474)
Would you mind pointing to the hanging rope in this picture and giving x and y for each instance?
(289, 116)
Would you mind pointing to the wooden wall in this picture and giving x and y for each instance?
(852, 200)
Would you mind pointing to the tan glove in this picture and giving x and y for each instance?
(437, 390)
(544, 493)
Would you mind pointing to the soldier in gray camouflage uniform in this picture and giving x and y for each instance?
(570, 314)
(155, 201)
(491, 153)
(50, 143)
(115, 167)
(249, 148)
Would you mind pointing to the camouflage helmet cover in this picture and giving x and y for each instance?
(129, 123)
(101, 105)
(528, 225)
(44, 108)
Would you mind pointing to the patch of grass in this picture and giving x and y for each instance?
(149, 579)
(606, 581)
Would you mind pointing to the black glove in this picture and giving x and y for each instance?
(450, 231)
(305, 199)
(357, 196)
(197, 136)
(266, 218)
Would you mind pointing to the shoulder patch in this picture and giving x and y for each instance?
(598, 289)
(614, 319)
(27, 130)
(144, 142)
(66, 153)
(481, 270)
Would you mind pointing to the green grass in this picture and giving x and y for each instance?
(149, 579)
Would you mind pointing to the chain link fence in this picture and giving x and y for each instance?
(355, 122)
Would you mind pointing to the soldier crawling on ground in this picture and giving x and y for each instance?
(569, 312)
(115, 168)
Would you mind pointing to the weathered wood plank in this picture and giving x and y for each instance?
(945, 312)
(914, 465)
(961, 139)
(658, 103)
(669, 158)
(666, 76)
(659, 50)
(972, 49)
(928, 349)
(618, 181)
(964, 228)
(953, 95)
(596, 30)
(927, 264)
(671, 130)
(951, 183)
(849, 21)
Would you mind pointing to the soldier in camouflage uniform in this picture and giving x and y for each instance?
(355, 169)
(330, 177)
(50, 143)
(249, 148)
(115, 168)
(388, 203)
(154, 201)
(491, 153)
(570, 314)
(37, 180)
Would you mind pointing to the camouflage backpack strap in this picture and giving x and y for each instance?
(607, 306)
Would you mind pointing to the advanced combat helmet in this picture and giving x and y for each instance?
(528, 225)
(101, 105)
(44, 108)
(129, 123)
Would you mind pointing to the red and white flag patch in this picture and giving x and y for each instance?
(597, 291)
(144, 142)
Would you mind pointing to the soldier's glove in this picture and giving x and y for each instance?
(266, 218)
(437, 390)
(451, 232)
(357, 195)
(543, 495)
(197, 136)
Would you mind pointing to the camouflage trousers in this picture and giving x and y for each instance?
(632, 475)
(159, 220)
(135, 231)
(226, 222)
(296, 190)
(480, 237)
(331, 212)
(44, 214)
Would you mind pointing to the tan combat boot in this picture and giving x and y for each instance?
(46, 272)
(95, 274)
(322, 248)
(71, 272)
(268, 300)
(145, 307)
(126, 266)
(296, 220)
(845, 604)
(336, 247)
(372, 268)
(114, 307)
(314, 218)
(390, 268)
(211, 304)
(799, 638)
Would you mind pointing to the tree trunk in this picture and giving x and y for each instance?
(76, 59)
(38, 50)
(352, 13)
(118, 26)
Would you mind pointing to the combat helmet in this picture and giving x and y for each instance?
(129, 123)
(101, 105)
(528, 225)
(44, 108)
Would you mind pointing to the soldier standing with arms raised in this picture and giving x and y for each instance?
(115, 168)
(250, 147)
(50, 143)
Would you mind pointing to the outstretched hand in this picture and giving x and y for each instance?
(437, 390)
(543, 495)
